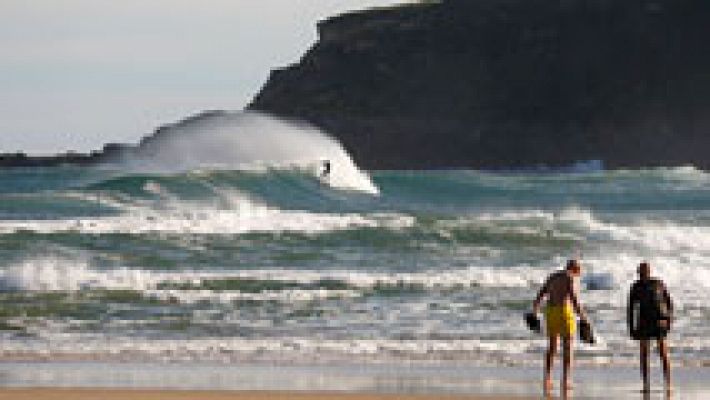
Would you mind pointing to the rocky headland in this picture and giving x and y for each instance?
(508, 83)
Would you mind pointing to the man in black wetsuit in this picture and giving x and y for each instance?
(326, 169)
(649, 315)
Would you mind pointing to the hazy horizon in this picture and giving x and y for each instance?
(77, 74)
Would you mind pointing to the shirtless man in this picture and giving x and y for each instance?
(560, 289)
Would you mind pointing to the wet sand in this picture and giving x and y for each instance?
(210, 381)
(143, 394)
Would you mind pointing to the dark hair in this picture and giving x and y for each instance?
(573, 264)
(644, 265)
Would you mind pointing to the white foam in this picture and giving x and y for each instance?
(43, 274)
(245, 215)
(287, 296)
(653, 236)
(684, 172)
(213, 222)
(61, 273)
(64, 274)
(293, 348)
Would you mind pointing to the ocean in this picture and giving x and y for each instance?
(255, 256)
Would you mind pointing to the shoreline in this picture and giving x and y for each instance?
(155, 394)
(53, 380)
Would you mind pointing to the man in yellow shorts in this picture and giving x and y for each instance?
(560, 290)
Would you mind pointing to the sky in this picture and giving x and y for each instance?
(76, 74)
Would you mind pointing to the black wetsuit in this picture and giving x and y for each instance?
(649, 303)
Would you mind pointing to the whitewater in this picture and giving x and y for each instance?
(228, 242)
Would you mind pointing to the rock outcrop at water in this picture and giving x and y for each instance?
(110, 153)
(508, 83)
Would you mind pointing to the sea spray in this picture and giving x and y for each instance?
(248, 141)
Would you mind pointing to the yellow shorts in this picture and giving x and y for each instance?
(560, 321)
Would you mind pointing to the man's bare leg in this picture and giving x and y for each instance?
(549, 362)
(567, 359)
(643, 343)
(665, 361)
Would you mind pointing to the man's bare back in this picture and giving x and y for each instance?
(559, 288)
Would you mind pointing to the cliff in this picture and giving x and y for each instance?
(508, 83)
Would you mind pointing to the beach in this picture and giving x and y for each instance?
(79, 380)
(113, 394)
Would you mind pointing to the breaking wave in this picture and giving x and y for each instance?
(248, 141)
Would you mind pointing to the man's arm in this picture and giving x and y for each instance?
(540, 295)
(630, 309)
(669, 302)
(575, 300)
